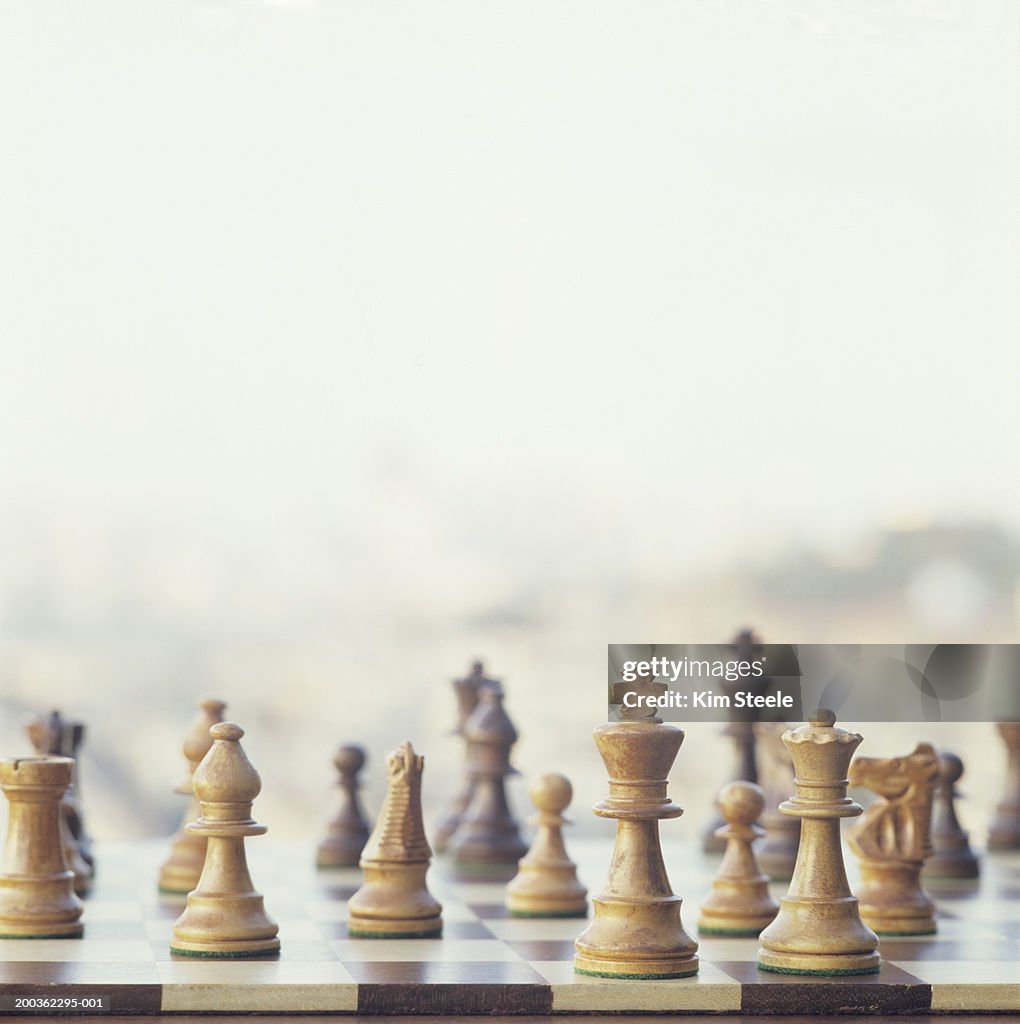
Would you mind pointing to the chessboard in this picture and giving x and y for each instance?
(487, 962)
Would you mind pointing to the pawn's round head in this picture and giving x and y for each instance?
(741, 802)
(950, 768)
(551, 792)
(349, 758)
(823, 718)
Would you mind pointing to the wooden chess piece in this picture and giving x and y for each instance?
(952, 856)
(183, 868)
(80, 868)
(394, 901)
(1004, 833)
(488, 833)
(740, 731)
(51, 736)
(893, 838)
(348, 832)
(818, 929)
(777, 854)
(636, 931)
(73, 737)
(739, 903)
(225, 916)
(466, 691)
(37, 898)
(546, 882)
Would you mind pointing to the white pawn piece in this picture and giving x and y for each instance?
(225, 916)
(394, 901)
(739, 903)
(546, 882)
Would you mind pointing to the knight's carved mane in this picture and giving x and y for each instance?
(399, 832)
(897, 826)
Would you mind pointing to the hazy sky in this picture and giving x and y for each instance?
(587, 275)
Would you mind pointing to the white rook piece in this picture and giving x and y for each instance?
(37, 899)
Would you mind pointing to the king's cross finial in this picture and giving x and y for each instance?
(640, 688)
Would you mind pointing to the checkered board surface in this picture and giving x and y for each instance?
(488, 962)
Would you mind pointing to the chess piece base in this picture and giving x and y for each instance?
(813, 937)
(814, 963)
(233, 925)
(740, 909)
(394, 902)
(610, 948)
(225, 949)
(952, 864)
(645, 970)
(892, 901)
(21, 929)
(546, 890)
(393, 928)
(181, 872)
(536, 905)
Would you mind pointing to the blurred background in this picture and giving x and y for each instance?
(343, 343)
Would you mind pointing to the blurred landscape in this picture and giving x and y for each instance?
(127, 631)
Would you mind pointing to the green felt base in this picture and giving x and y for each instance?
(637, 977)
(355, 934)
(904, 935)
(61, 935)
(820, 974)
(232, 955)
(172, 892)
